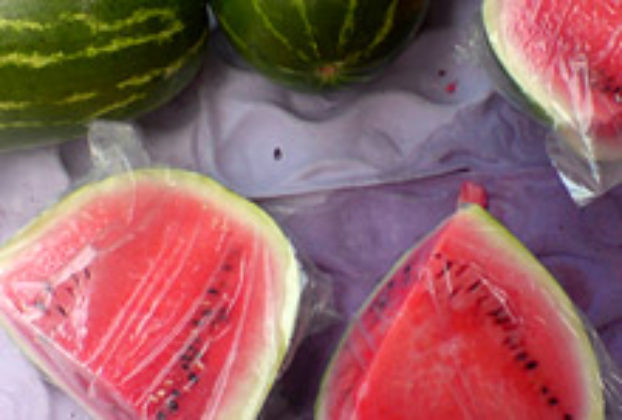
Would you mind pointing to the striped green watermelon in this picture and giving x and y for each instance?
(314, 44)
(66, 62)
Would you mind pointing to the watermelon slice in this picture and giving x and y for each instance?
(467, 325)
(155, 294)
(566, 58)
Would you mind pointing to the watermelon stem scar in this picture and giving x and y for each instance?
(154, 294)
(466, 325)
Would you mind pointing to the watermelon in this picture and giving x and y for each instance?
(564, 58)
(467, 325)
(317, 44)
(155, 294)
(64, 63)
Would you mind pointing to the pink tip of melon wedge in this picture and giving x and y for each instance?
(466, 325)
(155, 294)
(472, 193)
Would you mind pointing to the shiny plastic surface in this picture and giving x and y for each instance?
(467, 324)
(153, 294)
(561, 61)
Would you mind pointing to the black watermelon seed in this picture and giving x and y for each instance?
(510, 326)
(407, 269)
(172, 405)
(206, 312)
(62, 310)
(544, 390)
(502, 320)
(496, 312)
(567, 416)
(521, 356)
(460, 270)
(160, 415)
(76, 279)
(227, 267)
(481, 300)
(185, 366)
(175, 393)
(532, 364)
(553, 401)
(278, 153)
(455, 292)
(473, 286)
(192, 377)
(213, 291)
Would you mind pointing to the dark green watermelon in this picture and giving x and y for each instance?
(319, 43)
(64, 63)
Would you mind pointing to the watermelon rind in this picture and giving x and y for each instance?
(266, 371)
(531, 93)
(502, 240)
(321, 45)
(66, 63)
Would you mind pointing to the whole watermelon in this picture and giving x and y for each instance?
(316, 44)
(64, 63)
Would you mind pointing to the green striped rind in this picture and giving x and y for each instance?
(320, 44)
(81, 60)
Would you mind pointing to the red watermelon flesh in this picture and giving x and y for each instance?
(467, 325)
(567, 57)
(154, 295)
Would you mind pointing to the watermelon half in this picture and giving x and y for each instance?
(155, 294)
(467, 325)
(319, 44)
(566, 58)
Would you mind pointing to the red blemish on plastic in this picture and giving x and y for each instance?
(473, 193)
(451, 87)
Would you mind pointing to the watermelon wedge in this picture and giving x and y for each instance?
(467, 325)
(155, 294)
(565, 57)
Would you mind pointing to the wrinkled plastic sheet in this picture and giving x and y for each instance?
(438, 127)
(582, 104)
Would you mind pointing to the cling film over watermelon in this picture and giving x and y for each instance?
(155, 293)
(468, 325)
(561, 61)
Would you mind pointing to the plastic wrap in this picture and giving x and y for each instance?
(357, 235)
(106, 292)
(561, 64)
(466, 324)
